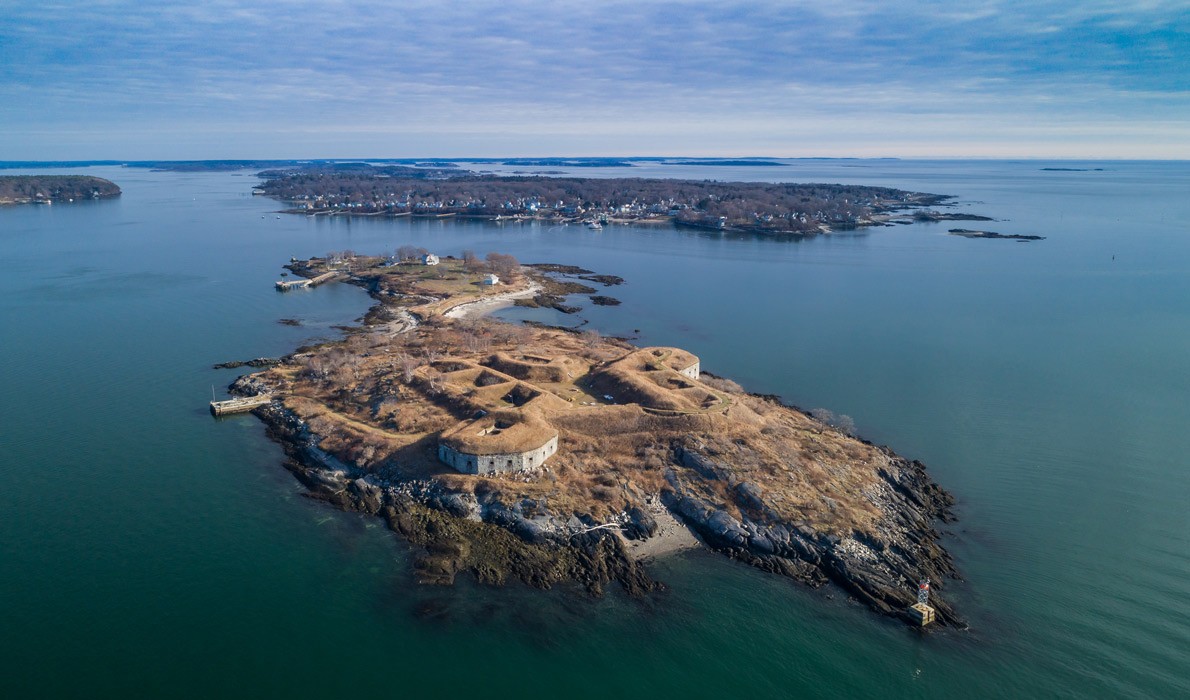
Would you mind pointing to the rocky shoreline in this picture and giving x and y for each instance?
(869, 569)
(453, 533)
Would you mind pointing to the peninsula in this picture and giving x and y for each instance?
(47, 189)
(508, 452)
(754, 207)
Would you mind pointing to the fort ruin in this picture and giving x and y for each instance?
(513, 399)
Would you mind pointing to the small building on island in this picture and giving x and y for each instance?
(489, 280)
(429, 259)
(499, 443)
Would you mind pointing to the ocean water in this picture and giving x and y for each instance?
(151, 550)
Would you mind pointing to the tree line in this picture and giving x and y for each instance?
(754, 205)
(55, 187)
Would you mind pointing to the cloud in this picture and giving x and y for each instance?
(513, 68)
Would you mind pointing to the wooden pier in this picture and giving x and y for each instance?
(239, 405)
(287, 285)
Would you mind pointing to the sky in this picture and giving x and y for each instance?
(206, 79)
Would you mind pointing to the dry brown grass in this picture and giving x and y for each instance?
(371, 407)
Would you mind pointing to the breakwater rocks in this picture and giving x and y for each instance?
(878, 569)
(453, 533)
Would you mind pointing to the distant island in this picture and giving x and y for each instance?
(47, 189)
(968, 233)
(755, 207)
(225, 165)
(198, 166)
(931, 215)
(545, 455)
(718, 162)
(570, 162)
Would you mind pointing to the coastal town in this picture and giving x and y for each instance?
(756, 207)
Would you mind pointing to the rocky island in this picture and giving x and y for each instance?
(47, 189)
(969, 233)
(508, 452)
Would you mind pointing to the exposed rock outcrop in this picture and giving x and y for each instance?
(455, 532)
(879, 570)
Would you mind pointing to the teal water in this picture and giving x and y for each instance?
(151, 550)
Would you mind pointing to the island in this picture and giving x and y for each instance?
(719, 162)
(47, 189)
(570, 162)
(754, 207)
(510, 452)
(934, 216)
(969, 233)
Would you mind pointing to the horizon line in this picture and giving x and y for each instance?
(482, 159)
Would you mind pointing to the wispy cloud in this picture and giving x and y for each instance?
(569, 76)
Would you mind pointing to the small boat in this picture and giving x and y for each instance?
(595, 226)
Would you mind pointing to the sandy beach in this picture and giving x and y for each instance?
(671, 536)
(488, 304)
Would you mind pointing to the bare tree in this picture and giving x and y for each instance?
(476, 340)
(435, 380)
(505, 266)
(408, 366)
(315, 368)
(822, 415)
(841, 422)
(845, 424)
(512, 334)
(591, 339)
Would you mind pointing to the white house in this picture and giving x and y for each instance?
(429, 259)
(490, 279)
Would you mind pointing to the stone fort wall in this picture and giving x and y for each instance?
(497, 464)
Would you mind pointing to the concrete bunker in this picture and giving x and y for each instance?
(499, 443)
